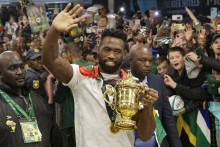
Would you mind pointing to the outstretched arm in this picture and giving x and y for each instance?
(191, 15)
(63, 22)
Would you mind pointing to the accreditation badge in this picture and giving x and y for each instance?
(30, 130)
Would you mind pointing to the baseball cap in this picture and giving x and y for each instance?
(215, 37)
(93, 9)
(33, 54)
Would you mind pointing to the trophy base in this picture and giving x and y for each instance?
(125, 124)
(114, 129)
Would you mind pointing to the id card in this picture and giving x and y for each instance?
(30, 130)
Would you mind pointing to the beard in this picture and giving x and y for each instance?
(109, 69)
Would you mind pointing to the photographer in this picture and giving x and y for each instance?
(24, 27)
(207, 62)
(93, 31)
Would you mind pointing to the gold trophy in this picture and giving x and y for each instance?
(126, 102)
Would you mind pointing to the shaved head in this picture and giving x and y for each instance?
(140, 59)
(6, 57)
(137, 48)
(12, 71)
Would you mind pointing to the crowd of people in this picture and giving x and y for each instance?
(52, 82)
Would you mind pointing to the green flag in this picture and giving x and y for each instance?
(159, 132)
(1, 25)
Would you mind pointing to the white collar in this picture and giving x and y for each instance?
(145, 80)
(109, 76)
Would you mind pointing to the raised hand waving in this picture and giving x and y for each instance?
(67, 19)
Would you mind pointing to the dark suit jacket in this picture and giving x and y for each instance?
(164, 110)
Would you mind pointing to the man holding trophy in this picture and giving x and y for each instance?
(104, 115)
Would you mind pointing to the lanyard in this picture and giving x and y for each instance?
(15, 107)
(111, 113)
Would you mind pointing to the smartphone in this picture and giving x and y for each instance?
(180, 26)
(90, 29)
(177, 17)
(137, 21)
(213, 12)
(111, 16)
(167, 23)
(163, 40)
(218, 28)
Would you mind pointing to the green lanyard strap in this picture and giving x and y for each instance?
(15, 107)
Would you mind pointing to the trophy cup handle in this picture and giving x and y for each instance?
(143, 90)
(109, 91)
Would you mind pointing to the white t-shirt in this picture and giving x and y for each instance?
(92, 123)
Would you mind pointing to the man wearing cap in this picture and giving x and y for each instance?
(36, 74)
(216, 46)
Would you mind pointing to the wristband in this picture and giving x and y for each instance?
(197, 23)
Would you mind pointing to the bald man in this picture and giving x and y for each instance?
(25, 119)
(140, 59)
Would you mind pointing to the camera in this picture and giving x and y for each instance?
(177, 17)
(163, 40)
(145, 30)
(91, 29)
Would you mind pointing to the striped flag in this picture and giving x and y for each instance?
(196, 124)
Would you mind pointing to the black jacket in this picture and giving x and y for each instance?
(210, 63)
(34, 81)
(51, 136)
(190, 88)
(164, 110)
